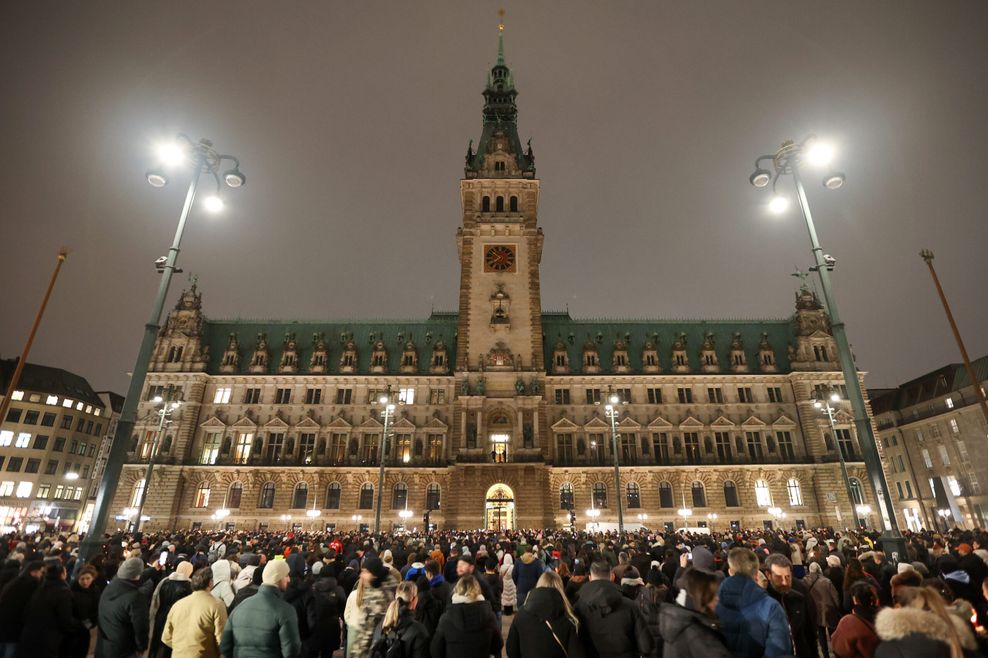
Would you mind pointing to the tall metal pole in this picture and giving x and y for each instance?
(162, 413)
(927, 256)
(125, 425)
(612, 412)
(869, 449)
(19, 368)
(380, 472)
(843, 465)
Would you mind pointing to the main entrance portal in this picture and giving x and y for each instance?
(499, 513)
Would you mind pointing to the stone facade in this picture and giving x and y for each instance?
(500, 417)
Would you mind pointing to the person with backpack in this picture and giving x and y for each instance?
(401, 636)
(323, 603)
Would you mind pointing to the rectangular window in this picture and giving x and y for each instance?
(624, 394)
(48, 420)
(406, 395)
(275, 449)
(282, 395)
(6, 438)
(755, 450)
(252, 396)
(685, 395)
(51, 467)
(944, 457)
(723, 442)
(926, 458)
(14, 415)
(85, 471)
(59, 489)
(14, 464)
(715, 395)
(953, 426)
(898, 486)
(66, 422)
(24, 489)
(344, 395)
(313, 396)
(786, 450)
(6, 488)
(31, 417)
(80, 425)
(909, 489)
(23, 440)
(593, 395)
(337, 448)
(562, 396)
(32, 466)
(564, 443)
(245, 441)
(629, 453)
(40, 442)
(438, 396)
(306, 447)
(744, 394)
(370, 448)
(691, 441)
(902, 465)
(775, 394)
(660, 447)
(43, 491)
(949, 402)
(962, 450)
(74, 444)
(954, 485)
(435, 448)
(846, 444)
(655, 396)
(222, 395)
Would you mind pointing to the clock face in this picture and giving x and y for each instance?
(499, 258)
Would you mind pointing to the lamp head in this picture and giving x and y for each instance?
(817, 404)
(760, 178)
(171, 153)
(156, 177)
(383, 399)
(834, 180)
(213, 203)
(234, 178)
(834, 397)
(778, 205)
(819, 153)
(613, 399)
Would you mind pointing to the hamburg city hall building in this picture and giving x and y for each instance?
(500, 416)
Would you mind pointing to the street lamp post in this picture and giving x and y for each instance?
(163, 419)
(612, 412)
(824, 405)
(203, 158)
(386, 413)
(787, 161)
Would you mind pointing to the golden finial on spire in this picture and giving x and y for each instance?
(500, 22)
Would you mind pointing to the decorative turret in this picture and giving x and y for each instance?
(815, 348)
(348, 358)
(409, 358)
(591, 358)
(319, 363)
(560, 358)
(180, 342)
(259, 360)
(620, 363)
(650, 355)
(739, 362)
(708, 354)
(289, 355)
(766, 355)
(680, 360)
(231, 356)
(379, 358)
(440, 359)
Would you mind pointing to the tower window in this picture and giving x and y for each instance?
(499, 207)
(499, 166)
(513, 204)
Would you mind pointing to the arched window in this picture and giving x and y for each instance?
(599, 494)
(266, 500)
(513, 205)
(399, 496)
(795, 492)
(485, 204)
(166, 445)
(202, 496)
(333, 492)
(665, 495)
(233, 495)
(299, 495)
(634, 495)
(731, 494)
(138, 492)
(366, 496)
(857, 493)
(566, 496)
(433, 494)
(699, 494)
(763, 497)
(499, 206)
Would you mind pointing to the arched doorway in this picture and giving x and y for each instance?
(499, 508)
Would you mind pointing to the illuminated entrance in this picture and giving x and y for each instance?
(499, 513)
(499, 448)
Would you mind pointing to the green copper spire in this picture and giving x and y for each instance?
(500, 39)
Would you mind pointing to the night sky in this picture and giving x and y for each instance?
(352, 120)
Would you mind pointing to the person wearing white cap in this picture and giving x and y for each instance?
(264, 625)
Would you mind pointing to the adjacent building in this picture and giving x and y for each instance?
(49, 444)
(932, 432)
(500, 418)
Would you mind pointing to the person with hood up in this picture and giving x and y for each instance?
(248, 564)
(323, 603)
(610, 623)
(194, 626)
(250, 590)
(526, 573)
(222, 588)
(264, 626)
(468, 628)
(826, 603)
(631, 583)
(49, 622)
(509, 593)
(688, 627)
(753, 623)
(922, 628)
(168, 592)
(855, 636)
(546, 626)
(124, 625)
(366, 606)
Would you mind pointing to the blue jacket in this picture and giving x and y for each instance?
(753, 623)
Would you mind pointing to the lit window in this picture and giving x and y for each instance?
(78, 494)
(222, 395)
(89, 408)
(67, 403)
(43, 490)
(59, 489)
(96, 412)
(950, 403)
(18, 395)
(763, 497)
(23, 440)
(926, 458)
(6, 488)
(52, 399)
(953, 426)
(406, 395)
(6, 438)
(795, 493)
(24, 489)
(202, 496)
(952, 483)
(135, 497)
(944, 457)
(78, 406)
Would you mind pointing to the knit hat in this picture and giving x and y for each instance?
(185, 568)
(833, 561)
(274, 572)
(131, 569)
(387, 556)
(815, 567)
(316, 568)
(377, 568)
(903, 567)
(654, 577)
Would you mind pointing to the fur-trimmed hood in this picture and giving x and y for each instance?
(898, 623)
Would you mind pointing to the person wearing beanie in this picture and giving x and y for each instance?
(124, 621)
(826, 602)
(323, 607)
(367, 604)
(264, 624)
(176, 586)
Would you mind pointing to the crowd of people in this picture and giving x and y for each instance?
(453, 594)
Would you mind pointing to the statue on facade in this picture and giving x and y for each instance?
(481, 386)
(519, 386)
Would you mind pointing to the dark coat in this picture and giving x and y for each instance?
(169, 594)
(527, 571)
(123, 619)
(530, 635)
(753, 623)
(413, 635)
(323, 604)
(263, 626)
(467, 630)
(688, 634)
(494, 587)
(85, 602)
(428, 610)
(611, 625)
(802, 621)
(13, 606)
(49, 622)
(915, 633)
(650, 600)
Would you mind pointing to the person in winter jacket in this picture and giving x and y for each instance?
(222, 587)
(123, 613)
(855, 636)
(264, 626)
(250, 590)
(526, 573)
(546, 626)
(825, 601)
(467, 629)
(248, 565)
(400, 625)
(753, 623)
(689, 627)
(13, 605)
(428, 609)
(441, 590)
(366, 607)
(650, 600)
(509, 593)
(802, 621)
(922, 628)
(611, 626)
(194, 625)
(493, 581)
(323, 603)
(49, 622)
(176, 586)
(85, 604)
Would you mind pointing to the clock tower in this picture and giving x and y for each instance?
(499, 242)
